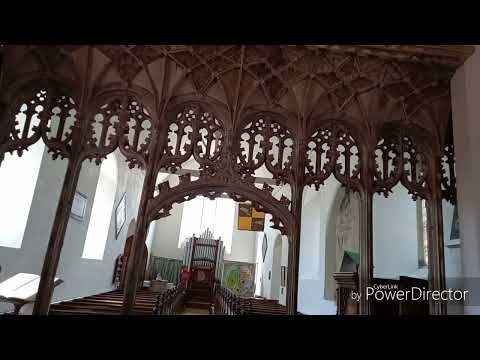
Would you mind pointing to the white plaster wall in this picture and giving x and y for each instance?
(394, 234)
(87, 276)
(282, 299)
(81, 277)
(243, 244)
(271, 288)
(267, 267)
(465, 89)
(167, 231)
(315, 211)
(395, 241)
(453, 255)
(276, 268)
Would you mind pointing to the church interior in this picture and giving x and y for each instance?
(239, 180)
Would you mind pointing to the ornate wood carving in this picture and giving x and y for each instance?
(193, 131)
(265, 141)
(43, 113)
(333, 150)
(121, 122)
(235, 111)
(449, 188)
(399, 158)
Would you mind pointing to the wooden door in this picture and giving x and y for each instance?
(126, 259)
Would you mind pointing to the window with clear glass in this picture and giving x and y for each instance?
(201, 213)
(18, 178)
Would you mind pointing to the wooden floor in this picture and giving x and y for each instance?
(195, 311)
(266, 307)
(109, 303)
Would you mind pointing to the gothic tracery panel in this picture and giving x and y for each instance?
(193, 132)
(332, 150)
(44, 114)
(265, 141)
(121, 122)
(398, 158)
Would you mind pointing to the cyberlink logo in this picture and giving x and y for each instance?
(391, 292)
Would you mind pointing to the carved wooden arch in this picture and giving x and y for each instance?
(407, 157)
(332, 139)
(219, 169)
(262, 199)
(124, 122)
(51, 103)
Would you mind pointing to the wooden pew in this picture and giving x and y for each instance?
(109, 303)
(264, 307)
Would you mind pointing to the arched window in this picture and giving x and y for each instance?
(18, 178)
(102, 208)
(201, 213)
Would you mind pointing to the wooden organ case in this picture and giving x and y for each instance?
(203, 258)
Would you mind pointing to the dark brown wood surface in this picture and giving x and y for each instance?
(304, 113)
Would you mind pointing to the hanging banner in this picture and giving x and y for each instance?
(250, 219)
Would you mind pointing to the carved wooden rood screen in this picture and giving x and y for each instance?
(296, 113)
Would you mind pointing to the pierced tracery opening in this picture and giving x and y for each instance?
(332, 150)
(121, 122)
(398, 158)
(195, 135)
(266, 148)
(46, 114)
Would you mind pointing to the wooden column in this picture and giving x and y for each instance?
(366, 250)
(436, 257)
(366, 192)
(294, 253)
(138, 243)
(59, 228)
(294, 237)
